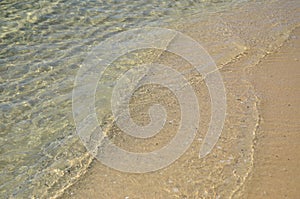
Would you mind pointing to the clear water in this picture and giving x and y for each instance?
(42, 45)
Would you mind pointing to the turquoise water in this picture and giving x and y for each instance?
(42, 46)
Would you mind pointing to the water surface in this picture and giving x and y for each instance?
(42, 46)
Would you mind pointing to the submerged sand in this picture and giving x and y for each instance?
(276, 166)
(256, 155)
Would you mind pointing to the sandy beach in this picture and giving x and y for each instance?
(277, 150)
(150, 99)
(275, 166)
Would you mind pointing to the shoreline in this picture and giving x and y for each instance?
(101, 176)
(276, 166)
(273, 168)
(244, 50)
(255, 47)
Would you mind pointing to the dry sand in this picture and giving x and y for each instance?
(276, 172)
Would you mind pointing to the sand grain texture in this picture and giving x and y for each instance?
(276, 160)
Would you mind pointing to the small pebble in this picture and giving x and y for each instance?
(175, 189)
(265, 193)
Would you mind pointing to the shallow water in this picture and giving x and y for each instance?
(42, 46)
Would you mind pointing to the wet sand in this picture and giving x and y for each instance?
(256, 155)
(276, 171)
(276, 166)
(45, 45)
(272, 172)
